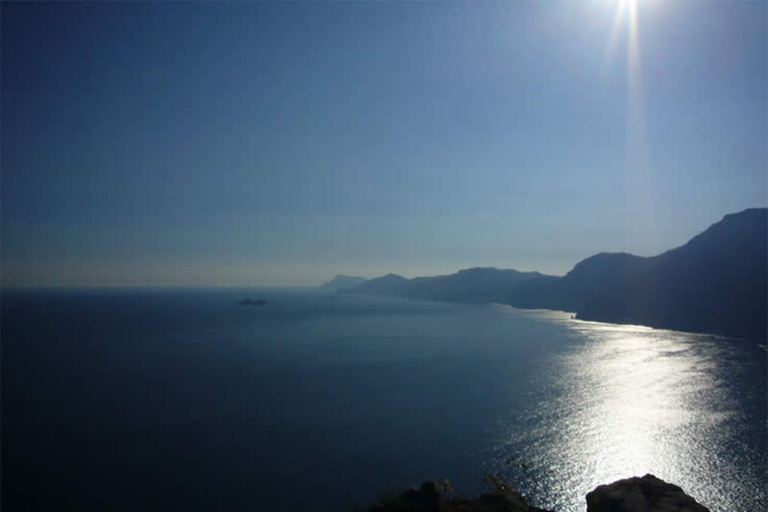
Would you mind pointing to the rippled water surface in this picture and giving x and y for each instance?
(150, 400)
(626, 400)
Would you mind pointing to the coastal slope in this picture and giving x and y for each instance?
(716, 283)
(589, 279)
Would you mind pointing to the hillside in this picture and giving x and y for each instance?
(716, 283)
(589, 279)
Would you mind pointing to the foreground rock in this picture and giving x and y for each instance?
(646, 494)
(435, 497)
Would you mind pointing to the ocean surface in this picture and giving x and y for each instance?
(184, 400)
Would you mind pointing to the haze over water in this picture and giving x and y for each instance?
(149, 400)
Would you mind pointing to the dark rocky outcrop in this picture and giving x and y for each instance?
(646, 494)
(435, 496)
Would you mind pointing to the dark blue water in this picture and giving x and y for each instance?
(150, 400)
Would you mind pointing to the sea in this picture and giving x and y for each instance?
(144, 400)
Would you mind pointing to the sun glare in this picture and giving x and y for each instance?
(626, 24)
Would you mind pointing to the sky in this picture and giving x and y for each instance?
(281, 143)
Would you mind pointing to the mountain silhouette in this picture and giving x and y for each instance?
(470, 285)
(341, 281)
(390, 284)
(716, 283)
(479, 285)
(589, 279)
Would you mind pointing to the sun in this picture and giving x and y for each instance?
(626, 25)
(626, 17)
(630, 5)
(628, 9)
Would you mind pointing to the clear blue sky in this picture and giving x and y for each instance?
(281, 143)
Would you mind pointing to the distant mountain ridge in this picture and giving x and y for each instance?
(390, 284)
(478, 285)
(342, 281)
(470, 285)
(715, 283)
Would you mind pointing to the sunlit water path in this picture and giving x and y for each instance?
(628, 400)
(151, 400)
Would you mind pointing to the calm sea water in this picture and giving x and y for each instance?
(183, 400)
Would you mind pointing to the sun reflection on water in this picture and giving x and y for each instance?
(624, 401)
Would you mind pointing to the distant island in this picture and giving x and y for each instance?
(251, 302)
(716, 283)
